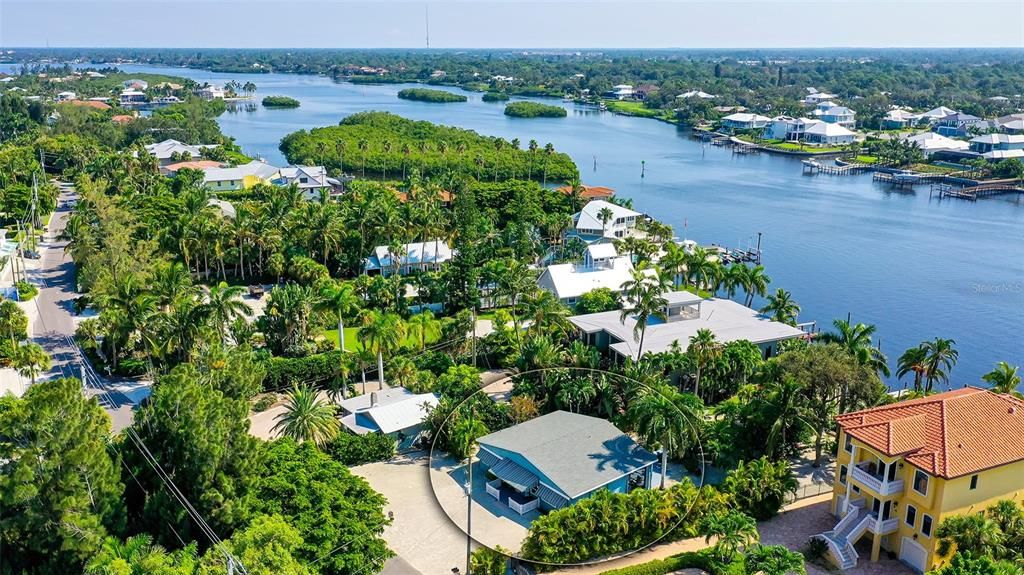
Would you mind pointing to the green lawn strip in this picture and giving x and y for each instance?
(352, 342)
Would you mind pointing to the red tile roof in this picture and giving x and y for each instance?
(590, 192)
(89, 104)
(122, 119)
(947, 435)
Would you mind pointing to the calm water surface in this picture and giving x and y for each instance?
(913, 265)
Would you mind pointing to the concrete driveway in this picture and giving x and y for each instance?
(494, 523)
(420, 533)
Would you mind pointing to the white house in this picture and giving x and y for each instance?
(130, 97)
(936, 114)
(998, 146)
(602, 267)
(696, 94)
(789, 129)
(163, 151)
(745, 121)
(310, 179)
(240, 177)
(65, 96)
(622, 91)
(395, 412)
(931, 142)
(588, 224)
(210, 92)
(415, 257)
(833, 114)
(687, 313)
(828, 134)
(900, 118)
(816, 98)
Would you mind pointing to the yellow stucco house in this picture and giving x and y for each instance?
(905, 467)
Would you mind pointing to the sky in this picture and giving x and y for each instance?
(510, 24)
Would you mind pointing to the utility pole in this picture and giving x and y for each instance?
(469, 497)
(473, 316)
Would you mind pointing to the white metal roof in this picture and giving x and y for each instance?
(589, 217)
(728, 320)
(1003, 154)
(254, 168)
(602, 250)
(414, 253)
(827, 129)
(746, 117)
(928, 141)
(163, 150)
(999, 139)
(574, 280)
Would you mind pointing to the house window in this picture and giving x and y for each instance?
(974, 482)
(921, 482)
(842, 474)
(849, 444)
(911, 515)
(926, 525)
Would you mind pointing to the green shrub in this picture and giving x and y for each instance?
(26, 291)
(359, 449)
(283, 372)
(534, 110)
(760, 486)
(428, 95)
(264, 403)
(703, 560)
(495, 97)
(132, 367)
(628, 521)
(280, 102)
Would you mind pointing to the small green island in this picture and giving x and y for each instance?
(280, 102)
(428, 95)
(534, 110)
(495, 97)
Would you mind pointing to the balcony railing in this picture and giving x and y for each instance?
(885, 527)
(494, 488)
(876, 483)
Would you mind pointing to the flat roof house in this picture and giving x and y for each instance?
(816, 98)
(687, 313)
(745, 121)
(588, 225)
(904, 468)
(560, 458)
(395, 412)
(622, 91)
(602, 267)
(415, 257)
(132, 97)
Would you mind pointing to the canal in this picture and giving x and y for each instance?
(913, 265)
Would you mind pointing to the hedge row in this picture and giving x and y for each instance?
(703, 560)
(283, 372)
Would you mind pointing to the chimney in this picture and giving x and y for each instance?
(373, 399)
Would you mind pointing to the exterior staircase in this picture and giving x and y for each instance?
(841, 539)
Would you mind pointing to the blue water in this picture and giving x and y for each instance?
(915, 266)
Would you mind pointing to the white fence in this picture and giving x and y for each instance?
(494, 489)
(525, 507)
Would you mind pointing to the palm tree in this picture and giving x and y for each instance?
(940, 357)
(605, 215)
(171, 282)
(539, 353)
(782, 307)
(755, 281)
(549, 149)
(972, 535)
(223, 305)
(856, 340)
(423, 327)
(384, 334)
(532, 147)
(1004, 379)
(546, 312)
(139, 555)
(664, 418)
(341, 299)
(734, 531)
(786, 399)
(363, 145)
(498, 145)
(406, 150)
(339, 148)
(733, 278)
(307, 417)
(576, 392)
(30, 360)
(386, 147)
(701, 268)
(912, 361)
(644, 297)
(704, 348)
(673, 263)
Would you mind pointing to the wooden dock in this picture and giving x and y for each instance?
(972, 193)
(813, 167)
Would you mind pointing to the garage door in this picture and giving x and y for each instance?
(913, 554)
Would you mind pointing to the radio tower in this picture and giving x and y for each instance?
(426, 11)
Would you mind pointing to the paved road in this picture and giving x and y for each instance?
(54, 324)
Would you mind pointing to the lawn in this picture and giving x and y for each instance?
(866, 159)
(930, 169)
(636, 109)
(352, 342)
